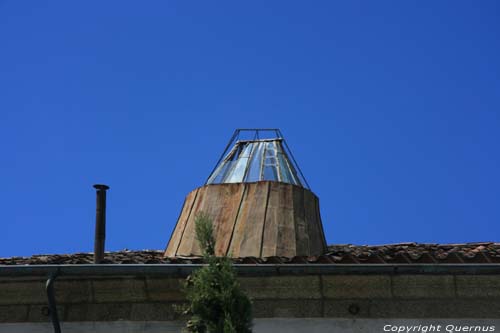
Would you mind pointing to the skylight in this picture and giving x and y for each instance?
(257, 160)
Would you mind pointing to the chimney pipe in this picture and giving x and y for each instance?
(100, 222)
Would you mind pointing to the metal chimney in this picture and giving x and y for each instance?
(100, 222)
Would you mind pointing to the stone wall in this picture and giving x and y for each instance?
(350, 296)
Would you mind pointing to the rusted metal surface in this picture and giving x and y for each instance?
(311, 216)
(270, 231)
(287, 242)
(188, 243)
(100, 222)
(260, 219)
(176, 237)
(301, 230)
(250, 223)
(223, 205)
(320, 225)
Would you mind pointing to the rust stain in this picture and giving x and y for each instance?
(188, 244)
(316, 243)
(301, 230)
(273, 214)
(286, 242)
(180, 227)
(248, 238)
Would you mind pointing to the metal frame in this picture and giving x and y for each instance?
(293, 166)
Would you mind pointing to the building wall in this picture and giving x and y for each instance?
(320, 299)
(270, 325)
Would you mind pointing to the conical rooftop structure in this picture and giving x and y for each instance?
(256, 160)
(259, 200)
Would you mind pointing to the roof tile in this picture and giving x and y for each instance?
(402, 253)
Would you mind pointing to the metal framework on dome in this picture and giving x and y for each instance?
(257, 154)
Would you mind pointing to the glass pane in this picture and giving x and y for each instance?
(270, 161)
(270, 149)
(237, 152)
(285, 172)
(270, 173)
(247, 150)
(287, 164)
(218, 174)
(293, 173)
(251, 161)
(238, 172)
(255, 164)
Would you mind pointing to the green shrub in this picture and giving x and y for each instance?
(216, 302)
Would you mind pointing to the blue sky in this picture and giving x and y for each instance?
(391, 108)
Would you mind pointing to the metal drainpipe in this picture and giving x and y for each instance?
(100, 222)
(49, 287)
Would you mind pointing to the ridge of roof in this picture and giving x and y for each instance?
(399, 253)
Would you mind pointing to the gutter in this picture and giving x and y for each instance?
(183, 270)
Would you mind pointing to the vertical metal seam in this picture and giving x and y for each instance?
(265, 216)
(297, 208)
(294, 222)
(187, 220)
(245, 186)
(320, 224)
(278, 170)
(177, 223)
(306, 223)
(278, 163)
(261, 171)
(291, 167)
(230, 168)
(218, 167)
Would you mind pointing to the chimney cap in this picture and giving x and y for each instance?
(101, 187)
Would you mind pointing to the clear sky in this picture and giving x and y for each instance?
(391, 108)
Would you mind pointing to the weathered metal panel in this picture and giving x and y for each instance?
(286, 242)
(310, 214)
(301, 230)
(260, 219)
(320, 226)
(273, 215)
(239, 226)
(176, 238)
(188, 244)
(247, 236)
(222, 204)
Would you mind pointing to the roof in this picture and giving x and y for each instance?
(257, 159)
(402, 253)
